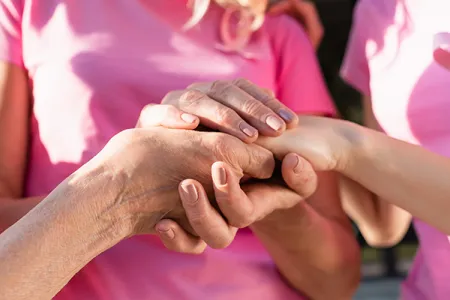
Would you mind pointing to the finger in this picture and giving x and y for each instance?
(269, 100)
(278, 146)
(269, 92)
(255, 161)
(255, 111)
(299, 175)
(166, 116)
(176, 239)
(204, 219)
(232, 201)
(269, 197)
(212, 114)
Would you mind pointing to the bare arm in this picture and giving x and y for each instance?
(300, 242)
(380, 221)
(14, 115)
(42, 251)
(404, 175)
(313, 244)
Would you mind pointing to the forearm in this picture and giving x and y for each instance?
(306, 242)
(380, 222)
(313, 263)
(406, 175)
(42, 251)
(11, 210)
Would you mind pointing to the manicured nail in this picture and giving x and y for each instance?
(188, 118)
(247, 129)
(222, 176)
(286, 115)
(274, 122)
(298, 168)
(191, 192)
(168, 233)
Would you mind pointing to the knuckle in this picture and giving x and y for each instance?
(221, 146)
(222, 242)
(196, 222)
(225, 116)
(220, 88)
(191, 96)
(170, 97)
(263, 158)
(128, 136)
(242, 82)
(193, 86)
(254, 108)
(199, 248)
(146, 111)
(307, 184)
(169, 108)
(197, 219)
(242, 219)
(271, 101)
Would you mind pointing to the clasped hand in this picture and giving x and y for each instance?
(186, 183)
(216, 221)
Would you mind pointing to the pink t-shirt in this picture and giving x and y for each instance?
(93, 66)
(390, 57)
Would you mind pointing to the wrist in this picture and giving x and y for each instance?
(126, 194)
(355, 144)
(95, 192)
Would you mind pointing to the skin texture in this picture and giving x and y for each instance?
(381, 223)
(380, 164)
(123, 191)
(67, 227)
(138, 198)
(14, 116)
(276, 212)
(256, 108)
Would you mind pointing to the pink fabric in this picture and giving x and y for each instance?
(93, 66)
(391, 57)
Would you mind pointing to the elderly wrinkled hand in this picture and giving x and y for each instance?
(237, 107)
(237, 207)
(147, 165)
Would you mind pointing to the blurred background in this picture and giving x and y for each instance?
(383, 269)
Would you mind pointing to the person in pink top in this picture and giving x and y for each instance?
(74, 74)
(398, 58)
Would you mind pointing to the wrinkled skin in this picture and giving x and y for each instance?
(168, 156)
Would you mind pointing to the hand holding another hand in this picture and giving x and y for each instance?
(237, 207)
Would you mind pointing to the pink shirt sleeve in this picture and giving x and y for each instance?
(10, 31)
(300, 84)
(355, 68)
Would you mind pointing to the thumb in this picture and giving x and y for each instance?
(299, 175)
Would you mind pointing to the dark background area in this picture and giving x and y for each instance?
(336, 16)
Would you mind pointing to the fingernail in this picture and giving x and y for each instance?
(286, 115)
(247, 129)
(191, 191)
(188, 118)
(274, 122)
(168, 233)
(222, 176)
(298, 168)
